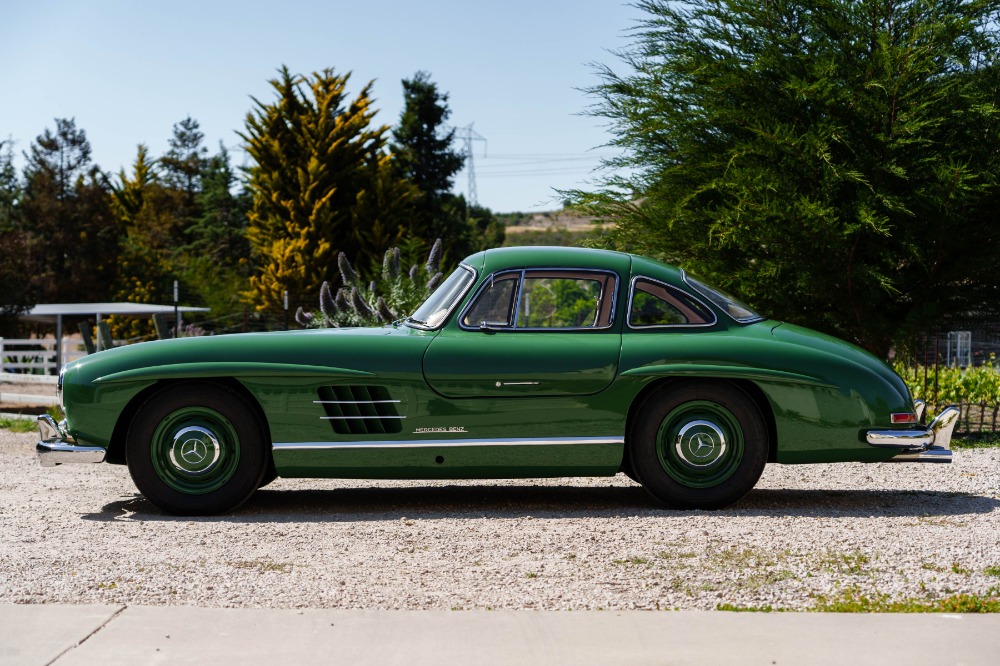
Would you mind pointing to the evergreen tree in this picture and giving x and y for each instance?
(215, 263)
(14, 276)
(145, 211)
(422, 143)
(71, 238)
(182, 167)
(185, 159)
(835, 162)
(423, 153)
(319, 163)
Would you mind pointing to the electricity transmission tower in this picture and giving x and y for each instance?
(467, 135)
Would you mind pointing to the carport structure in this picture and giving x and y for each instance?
(55, 313)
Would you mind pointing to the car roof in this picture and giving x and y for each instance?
(541, 256)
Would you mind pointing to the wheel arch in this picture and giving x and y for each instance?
(116, 448)
(750, 388)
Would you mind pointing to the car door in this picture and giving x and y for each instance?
(530, 332)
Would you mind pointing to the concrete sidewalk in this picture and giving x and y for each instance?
(109, 635)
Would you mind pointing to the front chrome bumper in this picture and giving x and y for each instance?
(929, 444)
(56, 447)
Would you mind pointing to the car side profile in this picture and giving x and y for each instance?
(524, 362)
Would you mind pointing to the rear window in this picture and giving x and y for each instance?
(732, 307)
(656, 304)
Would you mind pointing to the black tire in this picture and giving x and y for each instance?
(196, 448)
(270, 474)
(698, 445)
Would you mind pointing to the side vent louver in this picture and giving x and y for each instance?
(360, 410)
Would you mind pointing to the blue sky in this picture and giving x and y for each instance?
(127, 71)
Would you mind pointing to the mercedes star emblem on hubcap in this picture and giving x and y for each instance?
(195, 450)
(700, 443)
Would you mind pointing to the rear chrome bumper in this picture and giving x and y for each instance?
(57, 448)
(929, 444)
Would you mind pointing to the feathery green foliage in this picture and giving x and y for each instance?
(398, 292)
(321, 184)
(834, 162)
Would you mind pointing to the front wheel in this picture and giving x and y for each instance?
(699, 445)
(196, 449)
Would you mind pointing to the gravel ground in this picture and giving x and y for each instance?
(82, 534)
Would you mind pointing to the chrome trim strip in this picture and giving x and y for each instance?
(631, 294)
(351, 402)
(330, 418)
(436, 443)
(517, 304)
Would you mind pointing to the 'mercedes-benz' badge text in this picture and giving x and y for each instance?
(420, 431)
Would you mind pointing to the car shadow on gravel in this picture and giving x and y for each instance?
(550, 502)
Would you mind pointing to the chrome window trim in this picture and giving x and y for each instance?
(447, 316)
(517, 305)
(631, 293)
(488, 282)
(438, 443)
(749, 320)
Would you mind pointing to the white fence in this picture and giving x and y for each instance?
(35, 355)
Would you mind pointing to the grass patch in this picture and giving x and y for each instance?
(19, 425)
(263, 566)
(846, 563)
(854, 602)
(992, 571)
(988, 440)
(631, 560)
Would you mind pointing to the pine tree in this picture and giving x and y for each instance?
(15, 279)
(422, 143)
(146, 212)
(835, 162)
(319, 163)
(71, 237)
(423, 153)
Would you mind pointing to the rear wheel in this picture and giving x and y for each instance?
(196, 449)
(700, 445)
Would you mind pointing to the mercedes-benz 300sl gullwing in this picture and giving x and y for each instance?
(525, 362)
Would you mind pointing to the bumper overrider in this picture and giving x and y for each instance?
(56, 447)
(931, 443)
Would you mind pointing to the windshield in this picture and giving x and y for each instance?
(437, 307)
(732, 307)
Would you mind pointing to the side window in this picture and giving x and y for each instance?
(544, 299)
(566, 299)
(495, 304)
(656, 304)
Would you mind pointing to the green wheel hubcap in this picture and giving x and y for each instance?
(195, 450)
(699, 444)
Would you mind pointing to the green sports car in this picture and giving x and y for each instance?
(525, 362)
